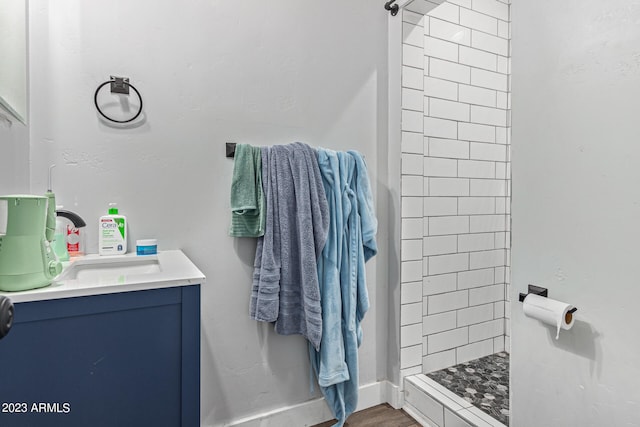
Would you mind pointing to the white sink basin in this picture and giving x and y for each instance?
(94, 274)
(110, 269)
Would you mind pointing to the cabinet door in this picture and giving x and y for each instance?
(108, 360)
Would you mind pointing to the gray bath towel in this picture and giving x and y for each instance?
(285, 286)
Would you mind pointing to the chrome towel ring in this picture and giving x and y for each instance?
(118, 85)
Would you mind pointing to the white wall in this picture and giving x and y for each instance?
(13, 51)
(209, 72)
(576, 205)
(14, 155)
(455, 182)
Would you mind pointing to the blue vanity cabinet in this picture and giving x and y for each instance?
(120, 359)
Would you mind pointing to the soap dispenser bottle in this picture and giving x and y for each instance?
(60, 237)
(112, 233)
(73, 234)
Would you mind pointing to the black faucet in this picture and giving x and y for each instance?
(73, 217)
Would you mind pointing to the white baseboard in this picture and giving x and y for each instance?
(316, 411)
(393, 395)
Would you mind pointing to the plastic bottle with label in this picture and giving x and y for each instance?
(59, 243)
(112, 233)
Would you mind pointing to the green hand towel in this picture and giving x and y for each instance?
(247, 198)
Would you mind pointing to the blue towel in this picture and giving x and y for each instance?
(285, 286)
(351, 242)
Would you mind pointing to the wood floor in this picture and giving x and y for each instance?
(377, 416)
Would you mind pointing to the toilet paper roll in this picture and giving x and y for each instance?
(549, 311)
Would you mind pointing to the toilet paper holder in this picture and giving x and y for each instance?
(536, 290)
(539, 290)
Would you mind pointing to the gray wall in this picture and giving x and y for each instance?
(14, 157)
(253, 72)
(576, 204)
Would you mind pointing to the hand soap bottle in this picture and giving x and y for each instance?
(60, 237)
(112, 233)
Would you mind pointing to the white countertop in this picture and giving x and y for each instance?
(165, 270)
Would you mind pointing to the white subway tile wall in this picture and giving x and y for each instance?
(455, 248)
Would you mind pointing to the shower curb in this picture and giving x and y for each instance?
(432, 405)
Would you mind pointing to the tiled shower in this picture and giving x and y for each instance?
(455, 238)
